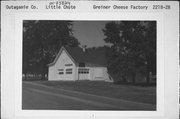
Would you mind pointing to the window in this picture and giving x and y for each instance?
(68, 71)
(83, 71)
(68, 64)
(60, 71)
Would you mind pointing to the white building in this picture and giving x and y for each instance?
(75, 63)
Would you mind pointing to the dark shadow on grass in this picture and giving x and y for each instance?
(136, 84)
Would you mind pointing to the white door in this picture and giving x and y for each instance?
(98, 73)
(83, 74)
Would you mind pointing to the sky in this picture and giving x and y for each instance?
(89, 32)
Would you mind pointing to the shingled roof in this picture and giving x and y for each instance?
(95, 57)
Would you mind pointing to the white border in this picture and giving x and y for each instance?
(19, 17)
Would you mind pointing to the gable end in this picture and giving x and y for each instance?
(58, 55)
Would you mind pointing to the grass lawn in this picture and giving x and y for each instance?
(127, 92)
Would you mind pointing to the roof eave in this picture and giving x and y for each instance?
(55, 60)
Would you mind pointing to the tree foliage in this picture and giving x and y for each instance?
(41, 42)
(133, 48)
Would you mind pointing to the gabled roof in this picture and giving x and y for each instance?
(94, 57)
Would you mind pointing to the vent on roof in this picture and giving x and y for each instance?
(81, 64)
(84, 48)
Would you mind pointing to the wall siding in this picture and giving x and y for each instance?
(60, 64)
(52, 73)
(105, 75)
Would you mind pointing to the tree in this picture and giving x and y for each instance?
(134, 44)
(150, 49)
(41, 42)
(117, 58)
